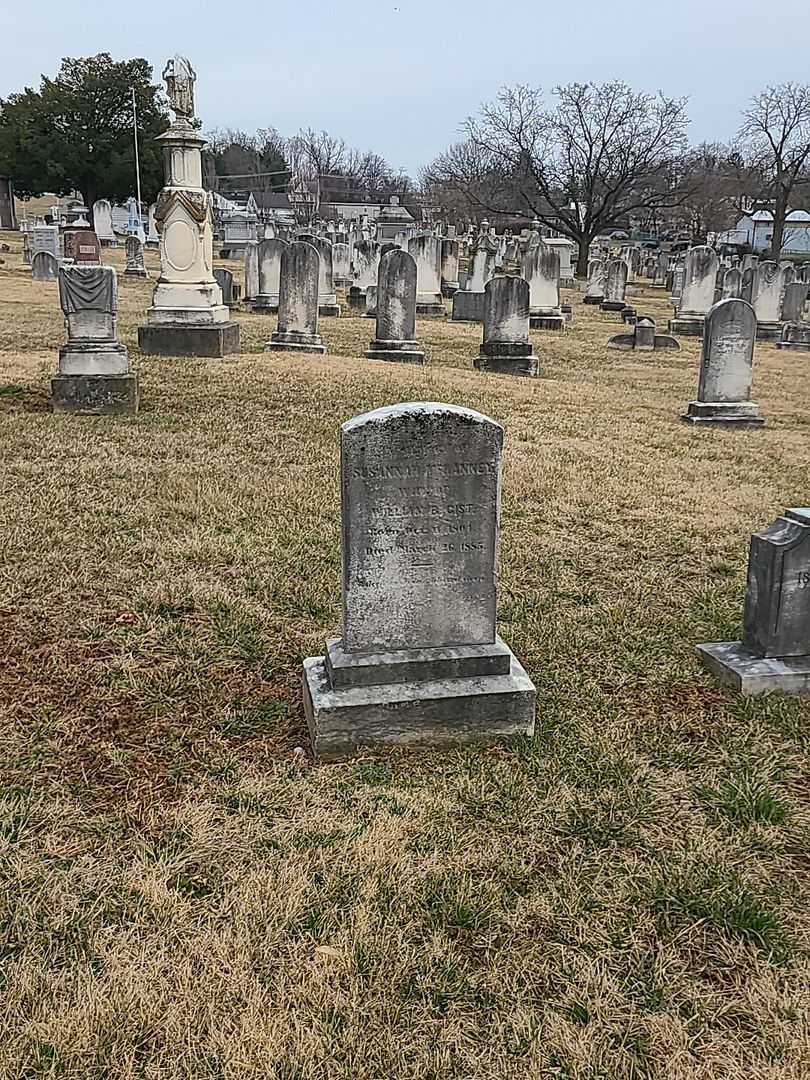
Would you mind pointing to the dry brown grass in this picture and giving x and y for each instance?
(183, 896)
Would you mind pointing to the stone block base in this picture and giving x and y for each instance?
(292, 341)
(468, 307)
(265, 305)
(731, 413)
(95, 395)
(802, 346)
(504, 363)
(399, 352)
(769, 331)
(753, 675)
(215, 339)
(686, 326)
(415, 698)
(612, 305)
(430, 309)
(592, 299)
(449, 288)
(547, 322)
(329, 310)
(136, 273)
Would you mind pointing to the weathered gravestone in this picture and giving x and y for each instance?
(726, 368)
(365, 263)
(270, 253)
(251, 258)
(643, 338)
(327, 298)
(506, 348)
(794, 300)
(371, 298)
(45, 238)
(85, 248)
(426, 252)
(468, 303)
(395, 338)
(44, 266)
(224, 278)
(661, 268)
(449, 271)
(697, 294)
(135, 265)
(595, 289)
(768, 290)
(94, 376)
(419, 661)
(341, 266)
(615, 286)
(774, 654)
(731, 285)
(103, 223)
(298, 301)
(540, 266)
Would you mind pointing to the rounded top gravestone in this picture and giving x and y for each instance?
(726, 364)
(298, 289)
(421, 486)
(396, 297)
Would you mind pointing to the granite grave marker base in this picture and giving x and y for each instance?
(265, 305)
(729, 413)
(136, 271)
(734, 665)
(186, 339)
(592, 299)
(795, 336)
(503, 358)
(433, 308)
(612, 305)
(356, 299)
(295, 341)
(95, 395)
(468, 307)
(434, 698)
(547, 322)
(329, 310)
(401, 352)
(687, 325)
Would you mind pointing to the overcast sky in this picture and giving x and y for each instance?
(399, 77)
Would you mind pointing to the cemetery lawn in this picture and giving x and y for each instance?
(183, 895)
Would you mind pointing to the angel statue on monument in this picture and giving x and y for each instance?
(180, 77)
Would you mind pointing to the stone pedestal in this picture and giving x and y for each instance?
(419, 663)
(547, 322)
(95, 395)
(506, 359)
(612, 305)
(687, 325)
(769, 331)
(732, 413)
(188, 339)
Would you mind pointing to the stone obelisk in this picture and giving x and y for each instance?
(187, 316)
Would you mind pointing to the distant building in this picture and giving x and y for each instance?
(755, 231)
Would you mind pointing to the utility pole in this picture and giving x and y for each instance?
(137, 163)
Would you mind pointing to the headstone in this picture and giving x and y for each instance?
(795, 335)
(774, 653)
(44, 267)
(298, 301)
(251, 257)
(426, 252)
(45, 238)
(747, 287)
(135, 258)
(449, 272)
(661, 267)
(340, 262)
(327, 298)
(731, 288)
(371, 301)
(396, 311)
(506, 348)
(768, 290)
(595, 289)
(794, 300)
(419, 661)
(270, 252)
(615, 286)
(187, 316)
(697, 295)
(224, 278)
(365, 263)
(643, 338)
(540, 266)
(103, 223)
(726, 368)
(152, 237)
(94, 376)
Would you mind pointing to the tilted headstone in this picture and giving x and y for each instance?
(251, 258)
(135, 266)
(774, 653)
(426, 252)
(615, 286)
(726, 368)
(506, 348)
(298, 301)
(595, 289)
(794, 300)
(540, 266)
(94, 376)
(269, 254)
(697, 293)
(643, 338)
(419, 661)
(768, 291)
(449, 270)
(44, 266)
(395, 338)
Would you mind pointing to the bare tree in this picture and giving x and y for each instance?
(599, 155)
(775, 135)
(718, 186)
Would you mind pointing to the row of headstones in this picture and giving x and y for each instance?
(79, 247)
